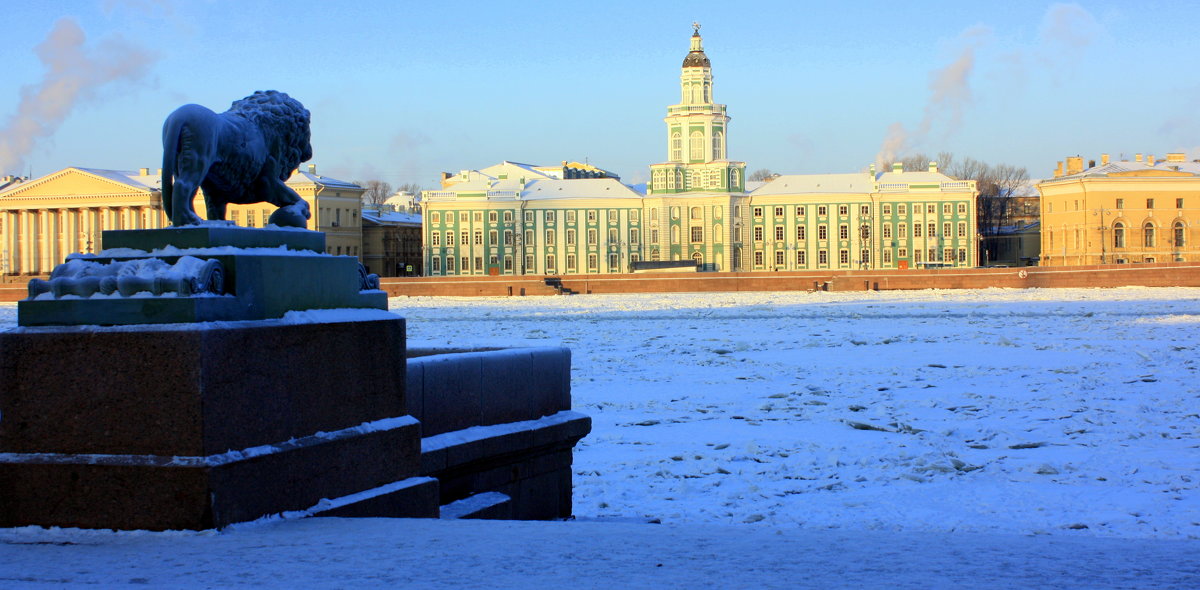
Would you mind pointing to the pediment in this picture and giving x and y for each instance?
(79, 182)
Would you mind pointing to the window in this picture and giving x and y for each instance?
(492, 216)
(864, 256)
(1179, 203)
(612, 216)
(449, 238)
(946, 230)
(676, 147)
(696, 213)
(902, 252)
(948, 255)
(436, 264)
(758, 211)
(864, 231)
(887, 231)
(529, 238)
(843, 209)
(570, 217)
(864, 210)
(843, 256)
(508, 263)
(822, 257)
(887, 209)
(508, 217)
(635, 216)
(570, 263)
(493, 260)
(801, 258)
(932, 230)
(758, 234)
(779, 258)
(463, 264)
(779, 212)
(1179, 236)
(613, 263)
(591, 216)
(479, 237)
(462, 217)
(822, 210)
(493, 237)
(822, 232)
(529, 217)
(592, 236)
(716, 145)
(1149, 204)
(697, 234)
(508, 237)
(478, 216)
(962, 229)
(529, 263)
(945, 208)
(674, 212)
(800, 233)
(570, 239)
(962, 255)
(1118, 235)
(550, 236)
(902, 209)
(478, 263)
(435, 239)
(249, 219)
(778, 233)
(464, 238)
(903, 227)
(917, 256)
(843, 232)
(1148, 235)
(931, 208)
(962, 208)
(435, 217)
(800, 210)
(635, 236)
(933, 254)
(758, 259)
(593, 262)
(449, 264)
(916, 230)
(887, 256)
(696, 146)
(613, 236)
(654, 236)
(550, 263)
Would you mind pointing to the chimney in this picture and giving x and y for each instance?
(1103, 159)
(897, 167)
(312, 168)
(1150, 159)
(1137, 157)
(933, 166)
(872, 171)
(143, 172)
(1176, 157)
(1058, 170)
(1074, 165)
(1091, 163)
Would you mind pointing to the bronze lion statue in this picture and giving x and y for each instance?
(241, 156)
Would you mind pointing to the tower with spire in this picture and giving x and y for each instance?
(697, 135)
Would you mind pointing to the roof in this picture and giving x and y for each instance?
(128, 178)
(390, 217)
(1122, 168)
(696, 58)
(579, 188)
(790, 184)
(306, 177)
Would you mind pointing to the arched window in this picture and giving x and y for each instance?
(1118, 235)
(676, 147)
(1148, 237)
(698, 258)
(696, 145)
(1180, 235)
(733, 179)
(695, 213)
(716, 146)
(696, 96)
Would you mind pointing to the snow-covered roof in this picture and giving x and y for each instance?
(306, 177)
(916, 177)
(579, 188)
(391, 217)
(128, 177)
(1124, 166)
(789, 184)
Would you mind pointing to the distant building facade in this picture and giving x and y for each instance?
(44, 219)
(1144, 210)
(391, 242)
(516, 218)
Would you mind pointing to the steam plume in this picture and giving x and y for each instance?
(72, 75)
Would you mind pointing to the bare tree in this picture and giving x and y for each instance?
(762, 175)
(377, 192)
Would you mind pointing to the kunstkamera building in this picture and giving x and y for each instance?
(512, 218)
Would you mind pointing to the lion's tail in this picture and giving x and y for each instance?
(171, 130)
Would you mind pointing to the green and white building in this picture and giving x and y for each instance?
(512, 218)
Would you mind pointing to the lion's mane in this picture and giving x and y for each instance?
(284, 123)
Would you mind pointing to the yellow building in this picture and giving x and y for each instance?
(1145, 210)
(44, 219)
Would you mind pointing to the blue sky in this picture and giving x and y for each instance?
(402, 90)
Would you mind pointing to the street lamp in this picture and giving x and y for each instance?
(1101, 212)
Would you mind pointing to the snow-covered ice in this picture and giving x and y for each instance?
(989, 438)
